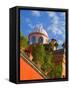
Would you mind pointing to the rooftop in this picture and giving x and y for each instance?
(40, 29)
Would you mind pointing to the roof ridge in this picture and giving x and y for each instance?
(23, 55)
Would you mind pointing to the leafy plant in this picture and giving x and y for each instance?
(58, 71)
(23, 41)
(38, 52)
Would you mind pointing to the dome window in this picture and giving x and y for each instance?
(40, 40)
(33, 39)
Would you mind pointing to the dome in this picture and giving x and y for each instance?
(39, 35)
(40, 29)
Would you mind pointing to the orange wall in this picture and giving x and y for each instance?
(27, 72)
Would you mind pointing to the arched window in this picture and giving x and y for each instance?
(40, 40)
(33, 39)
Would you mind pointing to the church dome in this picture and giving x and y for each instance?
(40, 29)
(39, 35)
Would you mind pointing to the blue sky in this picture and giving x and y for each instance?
(53, 23)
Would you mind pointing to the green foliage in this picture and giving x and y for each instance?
(23, 41)
(58, 71)
(45, 60)
(49, 66)
(48, 61)
(38, 54)
(55, 72)
(52, 74)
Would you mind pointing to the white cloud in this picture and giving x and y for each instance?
(63, 15)
(30, 25)
(56, 31)
(60, 42)
(36, 13)
(57, 26)
(51, 14)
